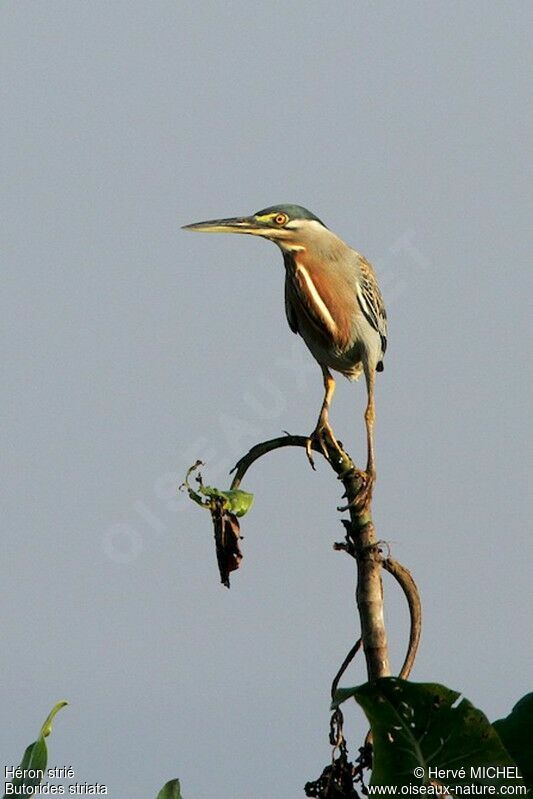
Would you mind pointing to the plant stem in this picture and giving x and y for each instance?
(362, 544)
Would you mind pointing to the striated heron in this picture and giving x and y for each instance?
(332, 299)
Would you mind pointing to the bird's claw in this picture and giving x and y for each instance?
(309, 453)
(321, 435)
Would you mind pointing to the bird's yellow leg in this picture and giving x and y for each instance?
(368, 477)
(370, 418)
(323, 431)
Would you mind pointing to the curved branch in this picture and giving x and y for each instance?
(336, 456)
(345, 663)
(242, 465)
(409, 587)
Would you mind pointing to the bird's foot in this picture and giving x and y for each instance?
(323, 436)
(363, 498)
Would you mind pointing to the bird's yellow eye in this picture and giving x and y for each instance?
(281, 219)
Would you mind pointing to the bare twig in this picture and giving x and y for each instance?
(408, 585)
(345, 663)
(288, 440)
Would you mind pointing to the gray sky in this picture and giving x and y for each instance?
(131, 348)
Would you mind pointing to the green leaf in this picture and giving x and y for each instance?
(238, 502)
(46, 729)
(425, 726)
(170, 791)
(516, 732)
(233, 500)
(33, 761)
(33, 765)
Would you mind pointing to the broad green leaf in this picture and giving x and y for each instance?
(35, 758)
(170, 791)
(234, 500)
(425, 726)
(238, 502)
(33, 762)
(516, 732)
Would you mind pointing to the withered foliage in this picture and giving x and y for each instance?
(227, 537)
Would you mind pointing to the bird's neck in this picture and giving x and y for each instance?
(326, 251)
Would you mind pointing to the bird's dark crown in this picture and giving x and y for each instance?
(292, 211)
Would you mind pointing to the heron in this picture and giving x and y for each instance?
(332, 300)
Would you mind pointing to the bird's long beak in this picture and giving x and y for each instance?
(238, 224)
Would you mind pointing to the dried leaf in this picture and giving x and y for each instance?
(227, 536)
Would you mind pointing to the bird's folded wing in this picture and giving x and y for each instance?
(371, 301)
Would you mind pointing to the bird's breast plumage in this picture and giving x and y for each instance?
(322, 298)
(328, 304)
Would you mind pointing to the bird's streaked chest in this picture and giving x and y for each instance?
(323, 299)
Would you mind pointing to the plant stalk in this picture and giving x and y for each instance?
(361, 543)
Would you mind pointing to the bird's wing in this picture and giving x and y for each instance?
(371, 301)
